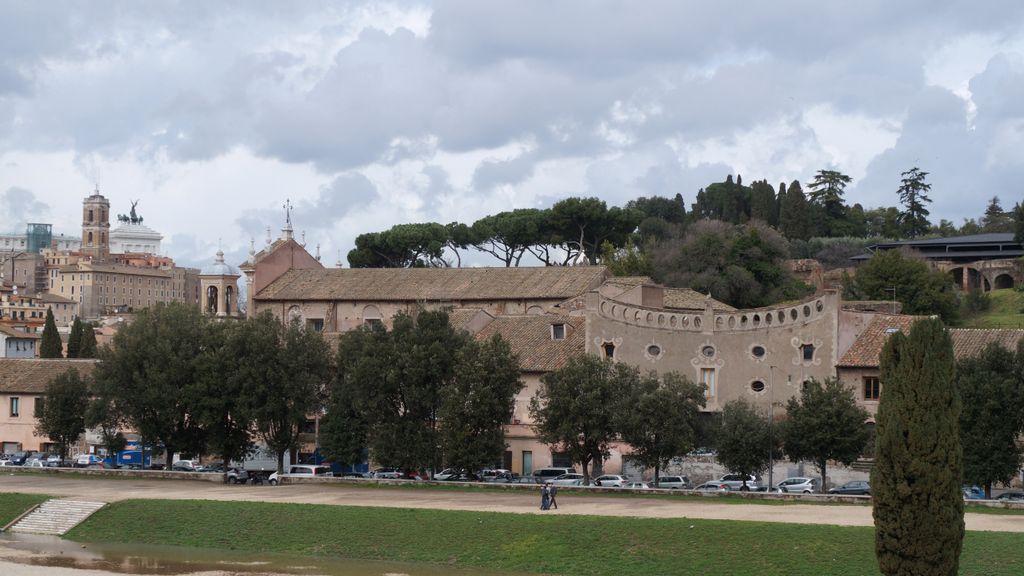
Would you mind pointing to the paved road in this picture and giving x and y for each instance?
(110, 490)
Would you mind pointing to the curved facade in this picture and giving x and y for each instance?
(762, 355)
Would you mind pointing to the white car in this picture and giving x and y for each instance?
(303, 471)
(446, 473)
(567, 480)
(798, 485)
(637, 486)
(611, 481)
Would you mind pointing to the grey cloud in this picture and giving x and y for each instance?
(21, 207)
(492, 173)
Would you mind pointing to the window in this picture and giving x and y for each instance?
(558, 331)
(39, 406)
(707, 378)
(708, 351)
(872, 388)
(758, 351)
(757, 386)
(315, 324)
(807, 350)
(609, 350)
(560, 460)
(15, 406)
(654, 350)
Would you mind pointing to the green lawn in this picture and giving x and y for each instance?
(13, 504)
(1004, 313)
(577, 545)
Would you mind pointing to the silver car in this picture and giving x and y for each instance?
(735, 482)
(673, 482)
(799, 485)
(567, 480)
(611, 481)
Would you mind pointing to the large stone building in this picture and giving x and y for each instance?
(22, 386)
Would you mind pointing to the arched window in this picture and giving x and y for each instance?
(211, 300)
(228, 296)
(90, 238)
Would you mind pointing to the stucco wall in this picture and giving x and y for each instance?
(664, 340)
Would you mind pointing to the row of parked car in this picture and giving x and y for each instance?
(32, 459)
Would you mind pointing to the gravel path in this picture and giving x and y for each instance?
(110, 490)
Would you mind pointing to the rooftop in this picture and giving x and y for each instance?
(32, 375)
(530, 337)
(434, 284)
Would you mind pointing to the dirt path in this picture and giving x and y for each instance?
(483, 501)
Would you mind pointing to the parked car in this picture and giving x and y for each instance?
(86, 460)
(18, 458)
(186, 466)
(637, 486)
(462, 477)
(302, 471)
(388, 473)
(973, 493)
(611, 481)
(741, 482)
(799, 484)
(542, 474)
(1012, 496)
(489, 475)
(216, 467)
(713, 486)
(702, 451)
(523, 480)
(55, 461)
(238, 476)
(446, 473)
(854, 487)
(35, 463)
(355, 475)
(571, 479)
(673, 482)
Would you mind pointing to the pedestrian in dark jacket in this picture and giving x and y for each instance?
(554, 492)
(545, 497)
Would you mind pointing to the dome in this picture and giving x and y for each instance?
(219, 267)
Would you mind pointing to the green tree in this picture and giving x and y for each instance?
(507, 235)
(588, 222)
(920, 289)
(746, 444)
(50, 346)
(574, 409)
(916, 481)
(626, 261)
(671, 210)
(478, 403)
(913, 195)
(883, 223)
(658, 418)
(764, 206)
(796, 218)
(234, 360)
(289, 386)
(995, 218)
(62, 416)
(992, 396)
(402, 246)
(142, 375)
(744, 265)
(87, 342)
(826, 191)
(1018, 222)
(75, 339)
(825, 424)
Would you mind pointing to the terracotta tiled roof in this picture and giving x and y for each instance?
(687, 299)
(630, 280)
(867, 349)
(530, 338)
(968, 342)
(433, 284)
(54, 299)
(18, 333)
(31, 376)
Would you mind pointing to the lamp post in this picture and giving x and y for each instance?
(771, 423)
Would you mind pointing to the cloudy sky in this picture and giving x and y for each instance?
(371, 114)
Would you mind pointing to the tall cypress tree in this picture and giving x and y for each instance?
(50, 346)
(75, 339)
(795, 216)
(87, 342)
(915, 485)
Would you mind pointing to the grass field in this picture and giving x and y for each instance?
(1005, 312)
(578, 545)
(13, 504)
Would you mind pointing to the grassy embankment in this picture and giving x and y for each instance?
(1006, 311)
(13, 504)
(578, 545)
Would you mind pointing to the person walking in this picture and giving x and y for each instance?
(545, 497)
(551, 497)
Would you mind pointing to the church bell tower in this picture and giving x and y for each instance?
(96, 227)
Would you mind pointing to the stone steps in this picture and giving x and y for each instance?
(56, 516)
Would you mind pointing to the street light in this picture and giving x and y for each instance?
(771, 419)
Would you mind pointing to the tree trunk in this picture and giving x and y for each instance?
(657, 474)
(280, 464)
(988, 490)
(586, 471)
(823, 463)
(598, 466)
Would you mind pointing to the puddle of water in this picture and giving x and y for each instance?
(39, 550)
